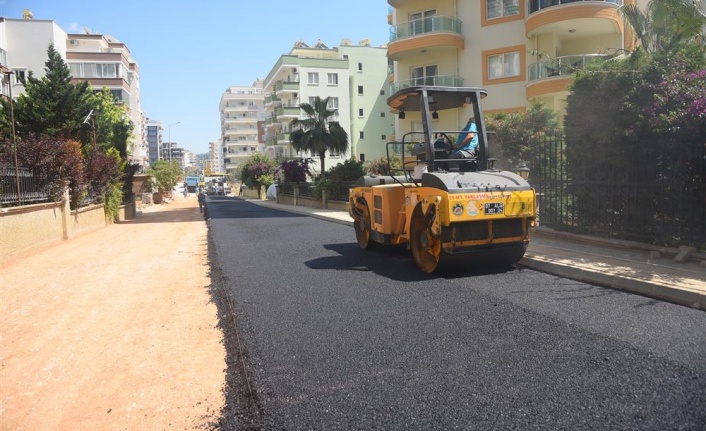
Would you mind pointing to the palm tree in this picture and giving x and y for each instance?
(318, 132)
(666, 24)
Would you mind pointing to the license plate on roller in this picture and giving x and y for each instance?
(494, 208)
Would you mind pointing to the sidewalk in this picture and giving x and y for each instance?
(622, 265)
(115, 329)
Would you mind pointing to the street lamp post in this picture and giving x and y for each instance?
(170, 138)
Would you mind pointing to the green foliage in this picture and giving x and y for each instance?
(640, 119)
(380, 166)
(259, 168)
(51, 105)
(166, 174)
(112, 199)
(113, 125)
(666, 25)
(516, 134)
(335, 180)
(349, 170)
(318, 133)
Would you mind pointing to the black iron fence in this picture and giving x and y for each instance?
(30, 192)
(641, 191)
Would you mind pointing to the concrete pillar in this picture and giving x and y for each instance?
(296, 194)
(66, 212)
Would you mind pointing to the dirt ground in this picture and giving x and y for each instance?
(114, 330)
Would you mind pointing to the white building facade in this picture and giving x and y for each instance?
(103, 61)
(352, 77)
(242, 111)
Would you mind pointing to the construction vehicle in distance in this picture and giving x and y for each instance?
(451, 215)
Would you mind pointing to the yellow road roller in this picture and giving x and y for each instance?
(452, 213)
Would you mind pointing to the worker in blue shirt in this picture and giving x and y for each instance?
(466, 144)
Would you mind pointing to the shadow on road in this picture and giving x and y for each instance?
(393, 262)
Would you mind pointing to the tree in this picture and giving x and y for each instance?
(166, 173)
(516, 134)
(665, 25)
(51, 105)
(113, 125)
(318, 133)
(258, 170)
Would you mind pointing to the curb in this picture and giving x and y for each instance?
(639, 287)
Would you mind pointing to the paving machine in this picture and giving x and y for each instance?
(451, 215)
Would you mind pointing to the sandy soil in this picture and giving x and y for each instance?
(114, 330)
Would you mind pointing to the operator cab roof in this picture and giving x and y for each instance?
(407, 99)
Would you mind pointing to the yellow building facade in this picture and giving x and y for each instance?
(521, 51)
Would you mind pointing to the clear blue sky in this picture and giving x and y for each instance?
(189, 52)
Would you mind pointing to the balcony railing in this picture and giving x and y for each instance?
(537, 5)
(561, 66)
(436, 81)
(425, 25)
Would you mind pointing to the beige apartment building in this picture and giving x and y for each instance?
(242, 111)
(521, 51)
(105, 62)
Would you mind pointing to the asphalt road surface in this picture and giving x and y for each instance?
(335, 337)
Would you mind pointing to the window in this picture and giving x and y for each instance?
(504, 65)
(382, 92)
(333, 79)
(360, 67)
(362, 135)
(313, 78)
(312, 99)
(332, 103)
(424, 75)
(360, 112)
(19, 76)
(421, 22)
(362, 157)
(382, 114)
(501, 8)
(383, 137)
(360, 89)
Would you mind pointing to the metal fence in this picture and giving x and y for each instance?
(31, 191)
(337, 191)
(637, 192)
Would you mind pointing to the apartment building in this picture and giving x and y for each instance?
(215, 156)
(242, 111)
(105, 62)
(354, 79)
(520, 51)
(101, 60)
(154, 140)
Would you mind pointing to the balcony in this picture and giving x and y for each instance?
(561, 66)
(289, 111)
(272, 98)
(286, 86)
(436, 81)
(574, 19)
(537, 5)
(422, 35)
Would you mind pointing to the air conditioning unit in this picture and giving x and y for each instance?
(73, 42)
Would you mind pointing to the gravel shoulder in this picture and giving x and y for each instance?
(115, 329)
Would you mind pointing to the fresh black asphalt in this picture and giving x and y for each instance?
(337, 338)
